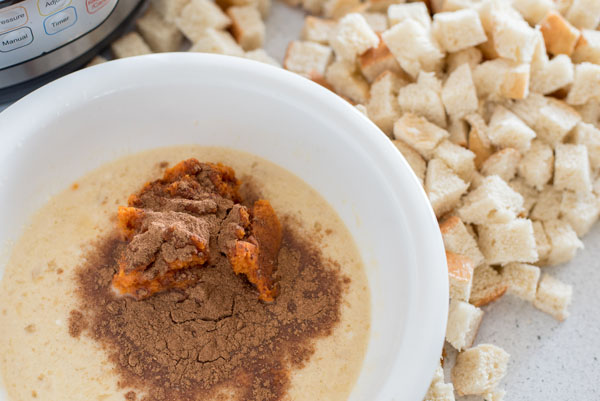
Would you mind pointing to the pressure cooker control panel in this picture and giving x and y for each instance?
(30, 28)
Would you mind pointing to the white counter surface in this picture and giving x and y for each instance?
(550, 361)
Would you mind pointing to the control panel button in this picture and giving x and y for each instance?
(60, 21)
(13, 40)
(13, 18)
(47, 7)
(94, 5)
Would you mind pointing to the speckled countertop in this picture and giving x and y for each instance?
(550, 361)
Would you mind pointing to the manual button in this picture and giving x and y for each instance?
(60, 21)
(13, 40)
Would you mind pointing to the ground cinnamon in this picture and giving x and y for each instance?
(198, 341)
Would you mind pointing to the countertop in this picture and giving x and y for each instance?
(549, 360)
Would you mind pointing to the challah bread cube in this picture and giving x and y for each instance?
(487, 286)
(419, 133)
(424, 98)
(458, 30)
(572, 168)
(553, 297)
(414, 159)
(443, 187)
(563, 242)
(479, 370)
(508, 242)
(522, 280)
(463, 323)
(492, 202)
(506, 130)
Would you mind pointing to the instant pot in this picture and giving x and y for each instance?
(41, 40)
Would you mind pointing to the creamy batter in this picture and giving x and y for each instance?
(40, 360)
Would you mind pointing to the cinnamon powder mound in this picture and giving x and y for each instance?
(184, 218)
(212, 335)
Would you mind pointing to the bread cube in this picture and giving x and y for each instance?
(317, 29)
(513, 38)
(458, 94)
(533, 10)
(487, 286)
(548, 205)
(352, 36)
(414, 47)
(247, 26)
(503, 163)
(502, 78)
(383, 108)
(130, 45)
(458, 30)
(508, 242)
(419, 133)
(559, 35)
(553, 297)
(479, 370)
(347, 81)
(506, 130)
(169, 9)
(522, 280)
(459, 159)
(219, 42)
(580, 210)
(584, 14)
(537, 165)
(557, 74)
(590, 112)
(458, 240)
(414, 159)
(530, 195)
(478, 143)
(443, 187)
(424, 98)
(589, 136)
(471, 56)
(197, 16)
(460, 276)
(572, 168)
(586, 84)
(161, 35)
(305, 58)
(540, 57)
(587, 47)
(541, 241)
(438, 390)
(458, 130)
(417, 11)
(338, 8)
(377, 61)
(463, 323)
(262, 56)
(550, 118)
(377, 21)
(563, 241)
(492, 202)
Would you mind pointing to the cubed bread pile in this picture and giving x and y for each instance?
(496, 107)
(231, 27)
(494, 104)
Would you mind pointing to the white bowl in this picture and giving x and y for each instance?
(73, 125)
